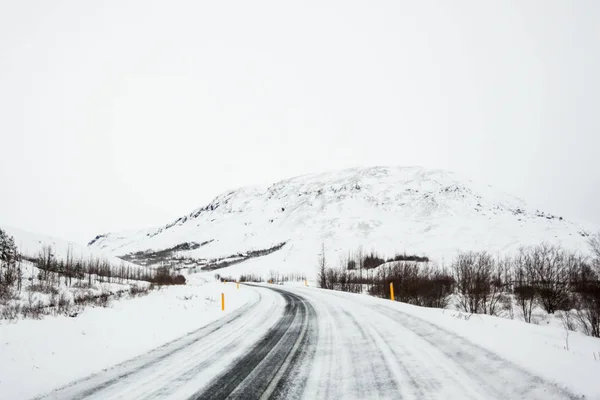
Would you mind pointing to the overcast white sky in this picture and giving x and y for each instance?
(126, 114)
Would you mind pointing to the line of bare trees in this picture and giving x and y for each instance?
(274, 277)
(46, 274)
(51, 269)
(544, 276)
(415, 280)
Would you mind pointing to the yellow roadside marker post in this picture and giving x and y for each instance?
(392, 291)
(222, 301)
(237, 284)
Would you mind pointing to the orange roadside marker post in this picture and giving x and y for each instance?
(392, 291)
(222, 301)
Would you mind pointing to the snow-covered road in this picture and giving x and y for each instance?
(293, 342)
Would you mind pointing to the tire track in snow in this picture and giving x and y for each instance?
(475, 366)
(90, 386)
(191, 366)
(377, 380)
(425, 360)
(264, 371)
(158, 373)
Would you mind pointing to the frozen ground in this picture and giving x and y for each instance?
(291, 342)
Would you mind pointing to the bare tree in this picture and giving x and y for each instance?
(524, 290)
(463, 270)
(550, 276)
(478, 282)
(588, 291)
(322, 274)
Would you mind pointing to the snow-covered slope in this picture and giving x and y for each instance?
(30, 244)
(389, 209)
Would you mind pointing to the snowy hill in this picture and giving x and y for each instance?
(30, 244)
(390, 209)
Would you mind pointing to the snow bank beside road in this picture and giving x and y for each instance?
(37, 356)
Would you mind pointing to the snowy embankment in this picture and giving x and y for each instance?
(37, 356)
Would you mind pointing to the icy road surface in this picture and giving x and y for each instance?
(294, 343)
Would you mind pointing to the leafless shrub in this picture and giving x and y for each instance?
(462, 316)
(82, 285)
(523, 284)
(103, 299)
(165, 276)
(550, 275)
(569, 325)
(478, 282)
(138, 290)
(280, 277)
(251, 278)
(567, 320)
(33, 309)
(415, 282)
(10, 311)
(589, 318)
(64, 303)
(44, 287)
(507, 306)
(88, 297)
(7, 293)
(82, 297)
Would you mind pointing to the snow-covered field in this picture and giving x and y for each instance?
(37, 356)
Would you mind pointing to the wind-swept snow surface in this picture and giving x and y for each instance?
(306, 343)
(411, 209)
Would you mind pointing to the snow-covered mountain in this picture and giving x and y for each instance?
(389, 209)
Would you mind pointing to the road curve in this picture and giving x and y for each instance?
(247, 353)
(368, 349)
(306, 343)
(265, 371)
